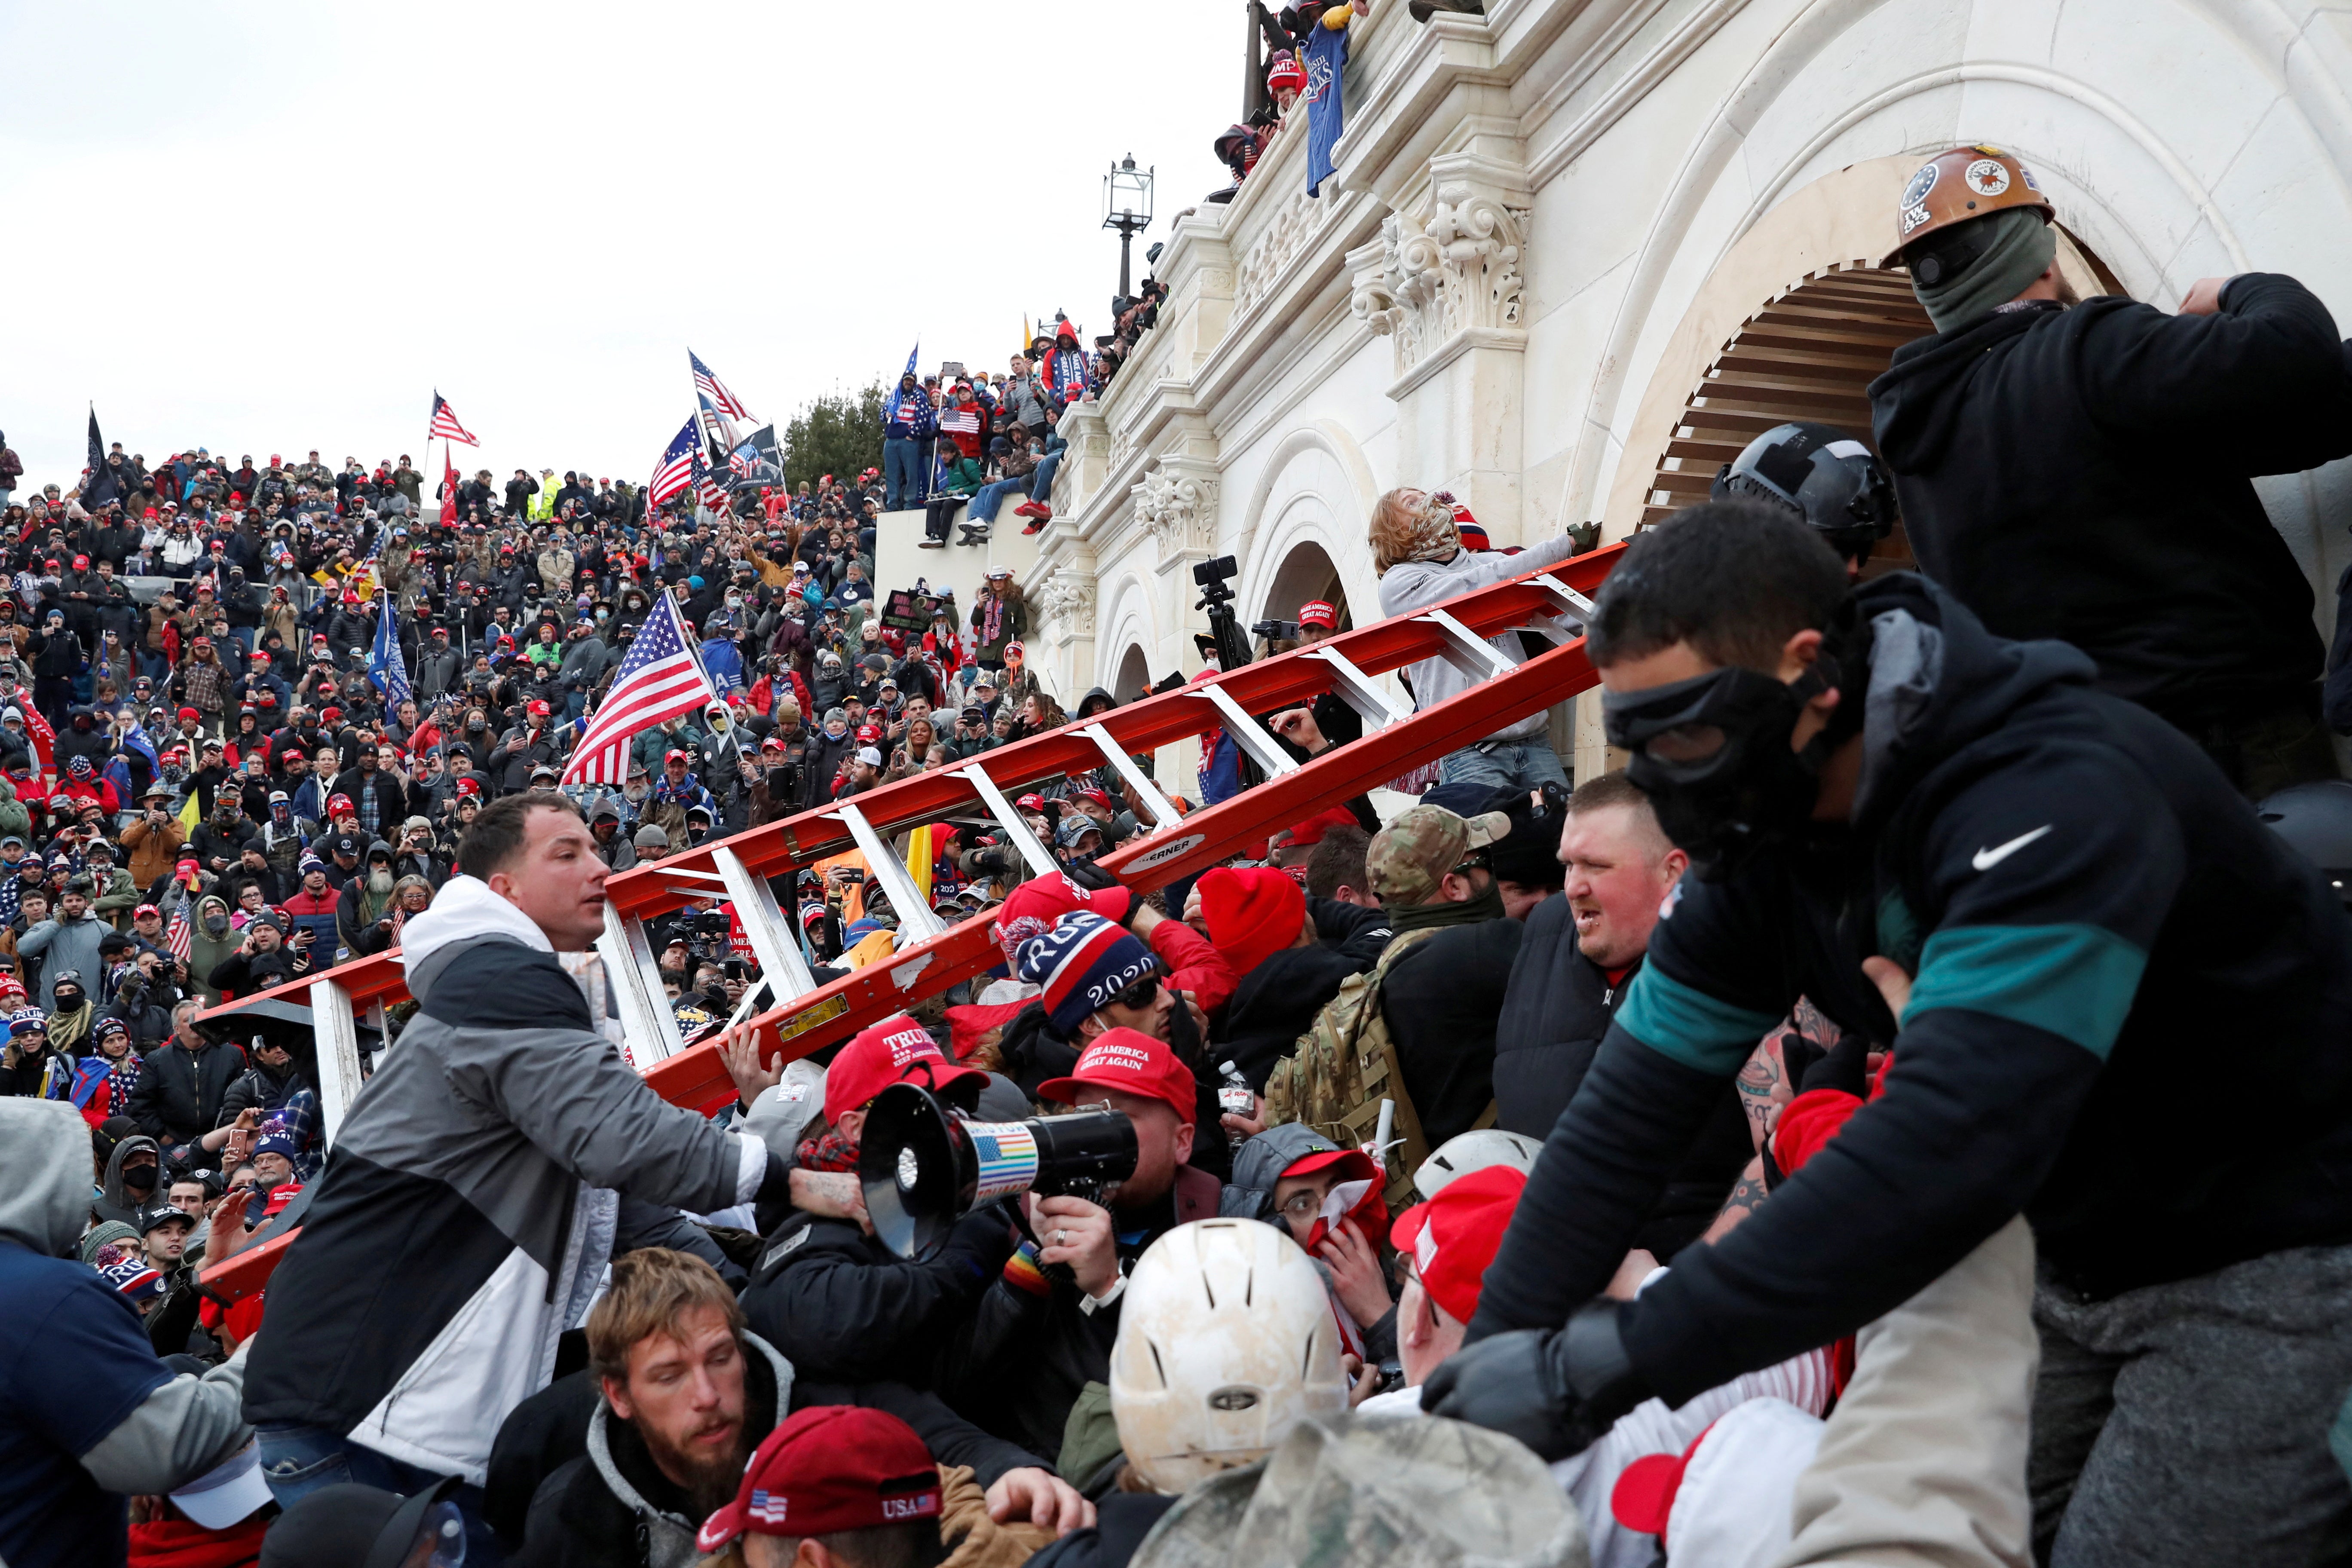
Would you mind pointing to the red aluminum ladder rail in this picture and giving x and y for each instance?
(809, 1017)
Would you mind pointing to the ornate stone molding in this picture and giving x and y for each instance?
(1294, 230)
(1460, 271)
(1178, 507)
(1066, 603)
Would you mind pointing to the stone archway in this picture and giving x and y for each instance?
(1306, 571)
(1793, 322)
(1134, 677)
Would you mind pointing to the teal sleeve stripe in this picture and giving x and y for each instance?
(1690, 1027)
(2076, 982)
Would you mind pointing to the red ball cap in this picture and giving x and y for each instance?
(1037, 903)
(1131, 1062)
(886, 1052)
(1316, 613)
(1454, 1237)
(829, 1468)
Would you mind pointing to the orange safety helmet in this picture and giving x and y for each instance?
(1956, 186)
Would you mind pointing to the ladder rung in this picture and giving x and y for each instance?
(337, 1033)
(1252, 736)
(1163, 812)
(915, 921)
(1009, 818)
(1573, 605)
(1360, 691)
(1468, 652)
(775, 943)
(635, 970)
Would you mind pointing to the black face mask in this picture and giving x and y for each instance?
(1712, 753)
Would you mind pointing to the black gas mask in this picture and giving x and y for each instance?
(1712, 753)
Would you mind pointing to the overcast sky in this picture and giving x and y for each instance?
(269, 227)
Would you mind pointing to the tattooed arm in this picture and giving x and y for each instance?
(1747, 1196)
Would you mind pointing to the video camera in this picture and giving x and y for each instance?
(707, 935)
(924, 1165)
(1279, 631)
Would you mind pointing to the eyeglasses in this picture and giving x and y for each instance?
(1302, 1206)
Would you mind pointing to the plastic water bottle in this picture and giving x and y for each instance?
(1234, 1096)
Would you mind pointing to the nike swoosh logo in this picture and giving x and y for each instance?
(1986, 860)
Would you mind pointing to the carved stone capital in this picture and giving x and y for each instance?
(1460, 271)
(1178, 507)
(1066, 604)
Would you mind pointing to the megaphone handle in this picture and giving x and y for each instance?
(1060, 1273)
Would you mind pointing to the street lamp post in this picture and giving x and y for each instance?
(1127, 207)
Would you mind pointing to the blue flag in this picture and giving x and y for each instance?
(1327, 52)
(135, 739)
(911, 357)
(386, 666)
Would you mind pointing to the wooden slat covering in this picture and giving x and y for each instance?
(1810, 353)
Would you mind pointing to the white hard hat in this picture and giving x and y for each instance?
(1475, 1151)
(1225, 1341)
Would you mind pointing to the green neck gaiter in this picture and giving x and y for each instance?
(2023, 248)
(1486, 906)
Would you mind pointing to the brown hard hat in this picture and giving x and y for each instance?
(1955, 186)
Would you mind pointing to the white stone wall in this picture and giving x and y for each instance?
(1545, 222)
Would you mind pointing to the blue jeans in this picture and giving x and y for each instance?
(902, 469)
(1528, 764)
(298, 1459)
(1041, 483)
(983, 505)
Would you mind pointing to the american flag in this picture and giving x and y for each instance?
(445, 424)
(676, 470)
(710, 387)
(706, 489)
(179, 937)
(662, 677)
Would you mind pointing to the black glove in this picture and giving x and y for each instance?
(1555, 1390)
(1845, 1066)
(1088, 875)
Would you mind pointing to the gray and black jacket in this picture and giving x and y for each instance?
(470, 1202)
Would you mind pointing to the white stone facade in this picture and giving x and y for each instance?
(1547, 222)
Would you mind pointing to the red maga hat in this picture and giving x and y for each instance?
(830, 1468)
(886, 1052)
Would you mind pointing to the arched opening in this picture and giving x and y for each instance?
(1134, 674)
(1306, 573)
(1810, 353)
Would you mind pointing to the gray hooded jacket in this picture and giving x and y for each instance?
(187, 1424)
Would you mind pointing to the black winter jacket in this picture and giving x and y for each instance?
(2085, 474)
(180, 1093)
(2086, 908)
(841, 1306)
(1556, 1008)
(1443, 1000)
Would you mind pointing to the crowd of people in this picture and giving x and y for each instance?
(1769, 1152)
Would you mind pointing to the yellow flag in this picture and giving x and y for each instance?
(189, 815)
(919, 861)
(1026, 334)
